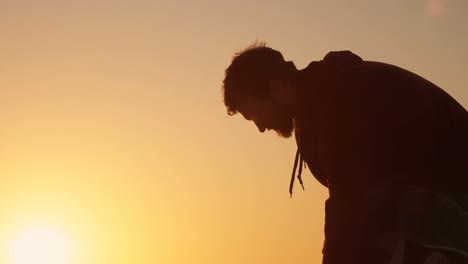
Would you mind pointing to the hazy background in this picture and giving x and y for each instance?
(113, 127)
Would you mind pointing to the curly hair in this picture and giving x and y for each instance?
(249, 72)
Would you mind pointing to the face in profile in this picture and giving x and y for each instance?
(268, 114)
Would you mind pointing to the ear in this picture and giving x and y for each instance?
(279, 91)
(276, 88)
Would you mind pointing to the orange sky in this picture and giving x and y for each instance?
(114, 129)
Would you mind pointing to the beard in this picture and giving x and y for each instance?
(284, 126)
(286, 130)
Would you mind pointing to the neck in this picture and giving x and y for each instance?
(291, 95)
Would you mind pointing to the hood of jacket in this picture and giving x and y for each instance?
(316, 74)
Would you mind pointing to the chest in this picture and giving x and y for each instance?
(312, 142)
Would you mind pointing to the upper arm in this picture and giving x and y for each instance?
(376, 130)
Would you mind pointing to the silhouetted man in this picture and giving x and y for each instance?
(387, 143)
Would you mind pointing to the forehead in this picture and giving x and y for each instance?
(246, 107)
(251, 106)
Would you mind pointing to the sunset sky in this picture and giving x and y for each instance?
(114, 137)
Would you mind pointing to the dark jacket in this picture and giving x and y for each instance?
(362, 125)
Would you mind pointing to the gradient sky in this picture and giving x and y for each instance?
(113, 128)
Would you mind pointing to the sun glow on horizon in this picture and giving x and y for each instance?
(39, 245)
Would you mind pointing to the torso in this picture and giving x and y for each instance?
(416, 133)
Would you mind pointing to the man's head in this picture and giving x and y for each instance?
(257, 85)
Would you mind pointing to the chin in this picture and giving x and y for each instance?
(283, 133)
(285, 128)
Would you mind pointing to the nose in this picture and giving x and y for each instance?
(260, 127)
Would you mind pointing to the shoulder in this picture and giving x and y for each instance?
(342, 58)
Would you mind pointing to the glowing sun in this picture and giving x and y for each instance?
(39, 245)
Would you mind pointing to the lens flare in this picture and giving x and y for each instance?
(435, 7)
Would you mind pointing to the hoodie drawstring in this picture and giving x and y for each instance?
(297, 160)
